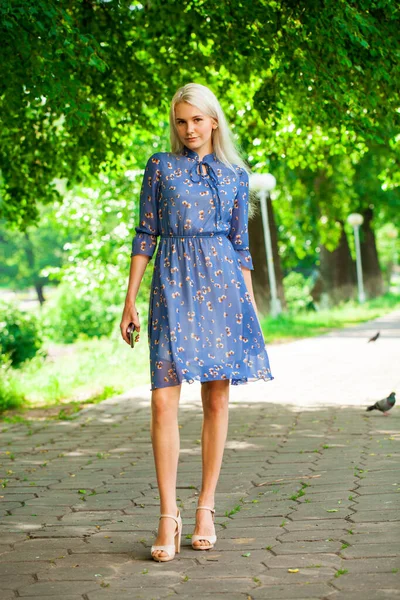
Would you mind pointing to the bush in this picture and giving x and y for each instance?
(73, 313)
(10, 397)
(297, 292)
(20, 338)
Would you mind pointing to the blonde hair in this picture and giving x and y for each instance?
(202, 97)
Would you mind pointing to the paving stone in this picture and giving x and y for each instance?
(360, 550)
(381, 488)
(238, 532)
(54, 531)
(372, 595)
(46, 511)
(27, 551)
(102, 502)
(218, 585)
(306, 547)
(375, 537)
(377, 476)
(320, 511)
(246, 543)
(60, 588)
(90, 517)
(229, 568)
(309, 525)
(298, 561)
(314, 535)
(371, 565)
(14, 580)
(8, 537)
(293, 458)
(369, 527)
(245, 520)
(29, 522)
(56, 597)
(142, 593)
(382, 502)
(376, 516)
(368, 582)
(8, 595)
(119, 542)
(303, 576)
(281, 592)
(331, 495)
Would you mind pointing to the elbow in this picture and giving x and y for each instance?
(245, 259)
(144, 243)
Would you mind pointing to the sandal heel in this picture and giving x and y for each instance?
(178, 540)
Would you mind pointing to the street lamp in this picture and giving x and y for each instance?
(263, 184)
(355, 220)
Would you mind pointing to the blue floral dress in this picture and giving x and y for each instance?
(201, 321)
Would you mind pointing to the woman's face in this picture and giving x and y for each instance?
(194, 128)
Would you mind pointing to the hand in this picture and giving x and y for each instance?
(130, 315)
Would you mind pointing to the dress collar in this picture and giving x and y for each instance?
(193, 154)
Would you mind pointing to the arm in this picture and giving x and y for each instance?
(239, 234)
(249, 285)
(143, 243)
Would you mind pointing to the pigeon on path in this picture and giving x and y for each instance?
(374, 337)
(384, 405)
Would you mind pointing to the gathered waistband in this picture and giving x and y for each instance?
(194, 235)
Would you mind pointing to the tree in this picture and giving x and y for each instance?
(78, 78)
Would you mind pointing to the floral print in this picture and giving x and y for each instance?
(201, 322)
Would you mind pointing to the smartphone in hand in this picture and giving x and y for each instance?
(131, 334)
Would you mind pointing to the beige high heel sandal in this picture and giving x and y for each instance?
(209, 538)
(170, 549)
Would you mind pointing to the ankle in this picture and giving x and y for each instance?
(206, 502)
(169, 511)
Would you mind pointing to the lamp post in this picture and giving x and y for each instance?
(263, 184)
(355, 220)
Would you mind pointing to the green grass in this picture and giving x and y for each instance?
(96, 369)
(308, 324)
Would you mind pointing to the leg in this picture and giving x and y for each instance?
(215, 398)
(165, 440)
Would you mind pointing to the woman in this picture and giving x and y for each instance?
(202, 321)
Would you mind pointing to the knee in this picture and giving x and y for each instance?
(216, 404)
(162, 408)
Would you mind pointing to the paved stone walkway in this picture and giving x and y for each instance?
(308, 502)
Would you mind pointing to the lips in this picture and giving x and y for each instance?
(191, 139)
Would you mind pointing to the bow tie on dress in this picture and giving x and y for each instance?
(196, 177)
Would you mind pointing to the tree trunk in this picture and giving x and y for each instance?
(372, 275)
(260, 277)
(338, 272)
(31, 262)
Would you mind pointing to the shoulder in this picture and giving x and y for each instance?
(242, 175)
(155, 159)
(163, 159)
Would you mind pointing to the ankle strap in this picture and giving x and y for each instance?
(206, 507)
(172, 517)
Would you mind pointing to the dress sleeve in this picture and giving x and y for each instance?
(239, 234)
(145, 240)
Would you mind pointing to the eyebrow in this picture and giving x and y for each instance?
(180, 118)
